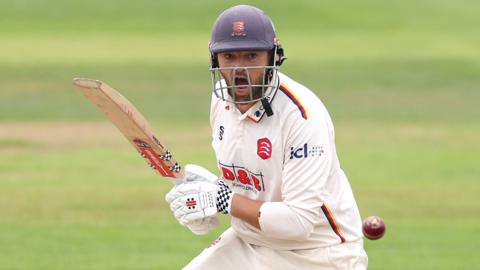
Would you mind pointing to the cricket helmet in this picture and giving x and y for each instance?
(244, 28)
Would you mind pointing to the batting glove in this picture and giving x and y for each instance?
(197, 173)
(198, 199)
(203, 226)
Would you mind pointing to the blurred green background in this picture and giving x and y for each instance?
(400, 79)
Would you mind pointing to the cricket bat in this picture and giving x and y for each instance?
(132, 125)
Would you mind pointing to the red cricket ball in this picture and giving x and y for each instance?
(373, 227)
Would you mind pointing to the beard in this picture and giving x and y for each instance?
(253, 93)
(256, 91)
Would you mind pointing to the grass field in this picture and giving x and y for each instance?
(400, 79)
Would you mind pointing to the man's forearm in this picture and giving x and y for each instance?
(246, 209)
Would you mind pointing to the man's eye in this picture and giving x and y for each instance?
(227, 56)
(252, 56)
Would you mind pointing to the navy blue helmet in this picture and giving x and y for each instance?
(244, 28)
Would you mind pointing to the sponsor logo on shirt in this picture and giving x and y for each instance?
(242, 177)
(264, 148)
(305, 151)
(220, 132)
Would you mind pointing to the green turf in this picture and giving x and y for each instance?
(400, 79)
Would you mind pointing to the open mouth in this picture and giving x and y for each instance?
(241, 83)
(241, 87)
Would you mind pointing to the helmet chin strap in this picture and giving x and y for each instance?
(278, 59)
(267, 107)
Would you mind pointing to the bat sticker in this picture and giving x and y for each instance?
(153, 158)
(157, 141)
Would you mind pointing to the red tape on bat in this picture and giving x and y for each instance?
(153, 158)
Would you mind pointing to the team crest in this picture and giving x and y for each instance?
(238, 29)
(264, 148)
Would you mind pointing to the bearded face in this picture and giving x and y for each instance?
(245, 73)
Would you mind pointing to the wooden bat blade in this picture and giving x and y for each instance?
(132, 125)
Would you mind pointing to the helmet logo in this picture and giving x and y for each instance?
(238, 29)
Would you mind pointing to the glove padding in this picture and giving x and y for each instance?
(195, 200)
(198, 173)
(203, 226)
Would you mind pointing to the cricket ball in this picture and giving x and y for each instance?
(373, 227)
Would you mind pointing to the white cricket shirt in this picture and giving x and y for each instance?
(288, 157)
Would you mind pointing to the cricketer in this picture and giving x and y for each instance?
(291, 204)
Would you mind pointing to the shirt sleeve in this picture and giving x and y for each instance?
(309, 150)
(308, 159)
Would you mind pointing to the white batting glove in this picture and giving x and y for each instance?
(203, 226)
(197, 173)
(198, 199)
